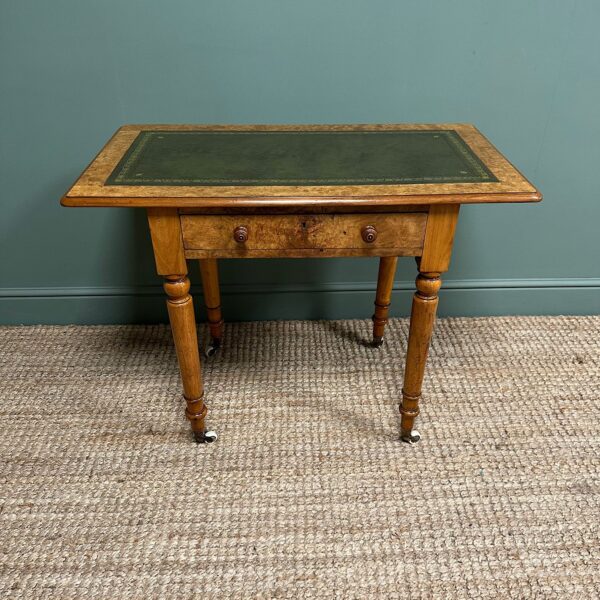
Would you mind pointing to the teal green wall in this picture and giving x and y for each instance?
(525, 72)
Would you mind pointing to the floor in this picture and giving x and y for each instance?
(308, 493)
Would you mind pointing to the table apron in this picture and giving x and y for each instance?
(303, 235)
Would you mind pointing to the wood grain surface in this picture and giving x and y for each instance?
(398, 234)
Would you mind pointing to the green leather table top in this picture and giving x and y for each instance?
(247, 158)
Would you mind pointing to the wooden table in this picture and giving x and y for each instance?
(215, 191)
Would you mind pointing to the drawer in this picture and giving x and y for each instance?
(380, 234)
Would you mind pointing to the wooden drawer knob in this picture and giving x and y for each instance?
(240, 234)
(369, 234)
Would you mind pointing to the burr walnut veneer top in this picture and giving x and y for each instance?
(299, 166)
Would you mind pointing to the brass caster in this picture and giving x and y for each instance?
(205, 437)
(377, 341)
(212, 347)
(411, 437)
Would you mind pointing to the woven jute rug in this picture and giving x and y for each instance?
(308, 493)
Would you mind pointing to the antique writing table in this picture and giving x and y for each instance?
(299, 191)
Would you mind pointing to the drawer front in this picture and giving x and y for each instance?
(380, 234)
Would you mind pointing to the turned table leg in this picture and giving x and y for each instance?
(422, 318)
(212, 300)
(437, 249)
(385, 283)
(183, 326)
(169, 255)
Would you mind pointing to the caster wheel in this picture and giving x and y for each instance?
(412, 437)
(205, 437)
(377, 341)
(212, 348)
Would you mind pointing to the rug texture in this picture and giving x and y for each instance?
(308, 493)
